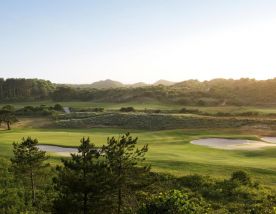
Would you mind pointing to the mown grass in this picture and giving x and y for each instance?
(169, 150)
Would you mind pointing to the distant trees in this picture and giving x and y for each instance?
(25, 89)
(28, 163)
(192, 92)
(64, 93)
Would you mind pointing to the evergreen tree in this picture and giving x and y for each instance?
(123, 158)
(28, 163)
(7, 117)
(81, 181)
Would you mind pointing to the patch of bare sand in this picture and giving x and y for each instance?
(269, 139)
(232, 144)
(58, 150)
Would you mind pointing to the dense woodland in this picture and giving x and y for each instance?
(191, 92)
(25, 89)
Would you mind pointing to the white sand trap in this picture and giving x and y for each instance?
(60, 151)
(269, 139)
(232, 144)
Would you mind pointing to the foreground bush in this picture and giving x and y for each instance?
(174, 202)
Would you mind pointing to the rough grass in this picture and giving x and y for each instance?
(106, 106)
(150, 105)
(161, 121)
(169, 151)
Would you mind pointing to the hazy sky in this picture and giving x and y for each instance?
(81, 41)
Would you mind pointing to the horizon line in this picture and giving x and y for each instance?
(132, 83)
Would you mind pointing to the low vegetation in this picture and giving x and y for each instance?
(159, 121)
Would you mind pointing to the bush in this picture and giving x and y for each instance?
(8, 108)
(241, 177)
(58, 107)
(35, 111)
(127, 109)
(249, 113)
(190, 111)
(174, 202)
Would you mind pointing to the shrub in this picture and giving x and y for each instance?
(241, 177)
(174, 202)
(58, 107)
(190, 111)
(127, 109)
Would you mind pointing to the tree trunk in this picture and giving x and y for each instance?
(33, 187)
(85, 196)
(119, 200)
(8, 125)
(120, 188)
(85, 203)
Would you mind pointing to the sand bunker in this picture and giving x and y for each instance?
(61, 151)
(269, 139)
(232, 144)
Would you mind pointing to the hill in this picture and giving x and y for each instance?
(164, 82)
(106, 84)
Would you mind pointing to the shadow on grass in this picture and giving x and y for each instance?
(184, 168)
(265, 153)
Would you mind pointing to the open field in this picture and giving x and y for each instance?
(169, 150)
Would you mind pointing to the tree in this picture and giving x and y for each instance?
(8, 108)
(7, 117)
(28, 163)
(81, 180)
(122, 158)
(174, 202)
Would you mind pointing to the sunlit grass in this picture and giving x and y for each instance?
(169, 151)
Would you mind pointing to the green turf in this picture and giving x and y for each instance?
(169, 151)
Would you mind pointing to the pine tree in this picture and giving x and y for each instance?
(123, 158)
(81, 181)
(28, 163)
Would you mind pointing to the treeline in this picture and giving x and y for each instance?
(25, 89)
(191, 92)
(116, 179)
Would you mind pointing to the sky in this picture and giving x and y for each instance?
(82, 41)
